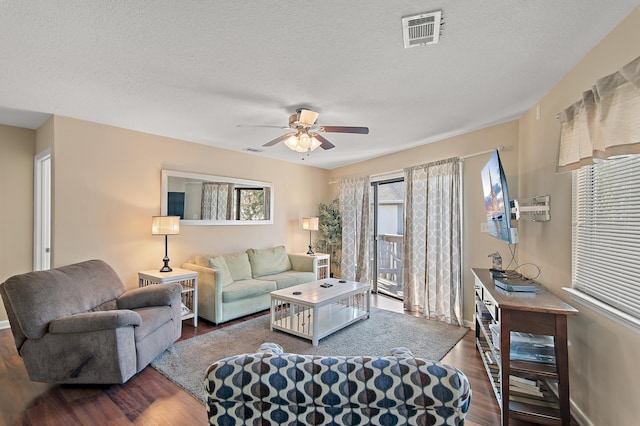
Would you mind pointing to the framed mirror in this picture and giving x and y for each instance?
(215, 200)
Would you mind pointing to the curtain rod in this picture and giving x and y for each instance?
(498, 148)
(376, 175)
(393, 172)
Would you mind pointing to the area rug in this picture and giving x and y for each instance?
(186, 362)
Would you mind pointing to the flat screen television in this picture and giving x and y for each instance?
(496, 200)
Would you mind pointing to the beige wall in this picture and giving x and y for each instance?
(107, 187)
(17, 148)
(604, 372)
(477, 245)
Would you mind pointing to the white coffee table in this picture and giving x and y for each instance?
(313, 312)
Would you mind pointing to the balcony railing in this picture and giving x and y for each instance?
(390, 273)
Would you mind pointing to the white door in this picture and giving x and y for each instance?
(42, 211)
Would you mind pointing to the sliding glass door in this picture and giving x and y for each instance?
(387, 213)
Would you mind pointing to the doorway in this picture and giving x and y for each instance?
(42, 211)
(388, 240)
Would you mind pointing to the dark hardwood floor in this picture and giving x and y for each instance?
(151, 399)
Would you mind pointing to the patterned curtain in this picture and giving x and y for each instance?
(432, 274)
(356, 232)
(216, 202)
(267, 204)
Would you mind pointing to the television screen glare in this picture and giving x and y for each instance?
(496, 199)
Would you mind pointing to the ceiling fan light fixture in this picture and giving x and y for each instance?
(302, 142)
(292, 142)
(315, 143)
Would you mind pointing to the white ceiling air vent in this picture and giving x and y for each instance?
(421, 29)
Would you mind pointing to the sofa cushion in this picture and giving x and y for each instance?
(290, 278)
(268, 261)
(221, 265)
(247, 288)
(239, 266)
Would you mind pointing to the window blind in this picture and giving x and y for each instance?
(606, 233)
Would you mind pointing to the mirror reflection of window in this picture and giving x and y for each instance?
(252, 204)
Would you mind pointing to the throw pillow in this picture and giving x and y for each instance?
(269, 261)
(239, 266)
(221, 265)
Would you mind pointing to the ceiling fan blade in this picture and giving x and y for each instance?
(324, 144)
(344, 129)
(278, 139)
(260, 125)
(308, 117)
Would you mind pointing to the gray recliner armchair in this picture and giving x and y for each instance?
(77, 324)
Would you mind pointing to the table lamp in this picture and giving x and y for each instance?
(165, 225)
(310, 224)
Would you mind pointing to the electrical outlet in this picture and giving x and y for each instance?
(484, 227)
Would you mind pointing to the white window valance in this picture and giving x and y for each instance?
(605, 122)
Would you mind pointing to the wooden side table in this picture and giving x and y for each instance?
(188, 280)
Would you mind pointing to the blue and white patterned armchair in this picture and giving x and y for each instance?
(272, 387)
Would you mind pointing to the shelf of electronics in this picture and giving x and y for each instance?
(535, 209)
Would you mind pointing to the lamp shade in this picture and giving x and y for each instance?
(165, 225)
(310, 223)
(302, 142)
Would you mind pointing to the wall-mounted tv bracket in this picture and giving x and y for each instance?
(535, 209)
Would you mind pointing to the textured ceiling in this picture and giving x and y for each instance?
(193, 70)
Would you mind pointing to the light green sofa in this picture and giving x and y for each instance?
(238, 284)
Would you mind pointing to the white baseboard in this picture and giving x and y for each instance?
(579, 415)
(4, 324)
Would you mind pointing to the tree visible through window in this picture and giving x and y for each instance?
(251, 204)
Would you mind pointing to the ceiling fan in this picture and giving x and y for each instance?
(305, 137)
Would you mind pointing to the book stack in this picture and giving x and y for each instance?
(528, 391)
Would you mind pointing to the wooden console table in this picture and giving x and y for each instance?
(539, 313)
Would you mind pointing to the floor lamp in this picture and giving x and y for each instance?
(310, 224)
(165, 225)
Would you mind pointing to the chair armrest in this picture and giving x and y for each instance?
(94, 321)
(303, 262)
(151, 295)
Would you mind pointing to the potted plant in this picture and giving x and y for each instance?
(330, 233)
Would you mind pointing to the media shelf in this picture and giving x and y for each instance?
(534, 391)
